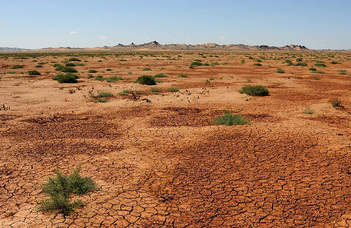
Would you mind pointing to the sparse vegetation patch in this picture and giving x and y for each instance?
(229, 119)
(256, 90)
(60, 190)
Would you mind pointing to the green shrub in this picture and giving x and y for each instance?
(17, 67)
(102, 100)
(280, 71)
(319, 65)
(124, 93)
(257, 64)
(105, 94)
(214, 64)
(183, 75)
(66, 69)
(39, 66)
(256, 90)
(229, 119)
(335, 62)
(70, 64)
(108, 69)
(318, 72)
(195, 63)
(155, 90)
(312, 69)
(90, 76)
(66, 78)
(34, 72)
(336, 103)
(60, 190)
(173, 89)
(160, 76)
(308, 111)
(303, 64)
(343, 72)
(74, 59)
(92, 71)
(146, 80)
(99, 78)
(147, 69)
(113, 79)
(289, 62)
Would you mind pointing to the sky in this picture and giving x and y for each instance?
(316, 24)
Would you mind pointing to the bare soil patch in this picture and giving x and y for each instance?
(157, 155)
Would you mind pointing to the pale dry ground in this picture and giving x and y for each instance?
(165, 163)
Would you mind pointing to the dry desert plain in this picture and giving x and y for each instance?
(156, 154)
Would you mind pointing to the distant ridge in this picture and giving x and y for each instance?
(11, 49)
(209, 46)
(156, 46)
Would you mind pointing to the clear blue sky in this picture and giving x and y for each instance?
(318, 24)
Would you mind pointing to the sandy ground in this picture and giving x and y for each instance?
(164, 163)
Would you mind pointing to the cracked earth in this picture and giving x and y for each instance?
(165, 163)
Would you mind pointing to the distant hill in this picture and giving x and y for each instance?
(156, 46)
(8, 49)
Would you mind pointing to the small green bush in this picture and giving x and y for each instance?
(229, 119)
(147, 69)
(155, 90)
(308, 111)
(74, 59)
(146, 80)
(312, 69)
(105, 94)
(257, 64)
(92, 71)
(66, 69)
(108, 69)
(343, 72)
(33, 72)
(66, 78)
(335, 62)
(318, 72)
(99, 78)
(303, 64)
(183, 75)
(102, 100)
(113, 79)
(173, 89)
(124, 93)
(280, 71)
(17, 67)
(289, 62)
(336, 103)
(319, 65)
(160, 76)
(60, 190)
(70, 64)
(256, 90)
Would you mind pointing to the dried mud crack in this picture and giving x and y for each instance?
(165, 163)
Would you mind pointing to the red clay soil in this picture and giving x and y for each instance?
(159, 159)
